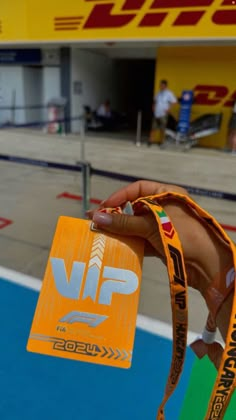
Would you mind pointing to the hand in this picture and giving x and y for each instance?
(205, 254)
(197, 241)
(143, 225)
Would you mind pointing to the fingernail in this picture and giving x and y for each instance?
(102, 218)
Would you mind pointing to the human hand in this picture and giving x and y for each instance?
(141, 225)
(203, 251)
(206, 256)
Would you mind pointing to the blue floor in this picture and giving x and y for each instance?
(34, 387)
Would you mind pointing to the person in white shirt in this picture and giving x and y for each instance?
(162, 104)
(104, 110)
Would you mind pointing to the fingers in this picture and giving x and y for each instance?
(89, 213)
(144, 227)
(135, 190)
(120, 224)
(138, 189)
(214, 351)
(131, 193)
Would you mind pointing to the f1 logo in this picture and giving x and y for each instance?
(115, 280)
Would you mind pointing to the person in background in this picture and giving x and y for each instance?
(105, 116)
(232, 131)
(162, 104)
(104, 110)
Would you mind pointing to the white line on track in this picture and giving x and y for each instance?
(145, 323)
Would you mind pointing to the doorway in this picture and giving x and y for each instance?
(134, 89)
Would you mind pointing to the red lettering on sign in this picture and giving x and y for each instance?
(4, 222)
(133, 4)
(228, 3)
(166, 4)
(153, 19)
(224, 17)
(230, 102)
(188, 18)
(101, 17)
(209, 95)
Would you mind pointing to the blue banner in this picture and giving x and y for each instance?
(20, 56)
(186, 102)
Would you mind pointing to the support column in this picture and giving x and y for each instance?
(65, 81)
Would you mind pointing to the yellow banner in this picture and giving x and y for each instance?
(210, 73)
(13, 20)
(111, 20)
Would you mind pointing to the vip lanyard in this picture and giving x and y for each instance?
(226, 378)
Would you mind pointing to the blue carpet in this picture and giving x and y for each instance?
(38, 387)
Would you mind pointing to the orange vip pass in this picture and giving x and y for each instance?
(88, 303)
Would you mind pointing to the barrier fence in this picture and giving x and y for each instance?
(52, 117)
(85, 167)
(41, 123)
(191, 189)
(46, 122)
(88, 171)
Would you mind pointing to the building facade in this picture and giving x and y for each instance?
(82, 50)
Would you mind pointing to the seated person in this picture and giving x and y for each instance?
(104, 110)
(105, 116)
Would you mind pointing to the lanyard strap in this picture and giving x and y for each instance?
(226, 378)
(178, 291)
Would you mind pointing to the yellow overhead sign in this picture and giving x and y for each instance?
(112, 20)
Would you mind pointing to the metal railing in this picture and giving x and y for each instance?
(87, 171)
(85, 167)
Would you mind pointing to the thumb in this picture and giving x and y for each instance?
(125, 224)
